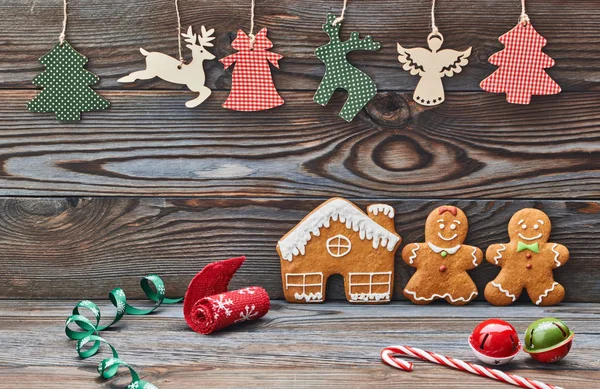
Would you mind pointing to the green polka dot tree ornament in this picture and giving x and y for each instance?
(340, 73)
(65, 82)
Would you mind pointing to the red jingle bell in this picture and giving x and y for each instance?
(495, 342)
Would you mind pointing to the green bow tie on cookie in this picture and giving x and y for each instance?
(531, 247)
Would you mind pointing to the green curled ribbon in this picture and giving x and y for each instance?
(108, 367)
(153, 287)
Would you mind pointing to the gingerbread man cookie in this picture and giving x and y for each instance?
(443, 260)
(527, 262)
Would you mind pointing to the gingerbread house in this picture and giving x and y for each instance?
(339, 238)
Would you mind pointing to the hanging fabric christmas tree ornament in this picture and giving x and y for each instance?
(178, 71)
(339, 73)
(65, 82)
(521, 65)
(431, 65)
(252, 87)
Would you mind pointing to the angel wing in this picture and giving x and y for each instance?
(414, 60)
(452, 61)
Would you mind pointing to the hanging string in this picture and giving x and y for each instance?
(179, 32)
(251, 35)
(524, 19)
(341, 17)
(61, 37)
(434, 28)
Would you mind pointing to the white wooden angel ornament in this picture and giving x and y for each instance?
(431, 65)
(176, 70)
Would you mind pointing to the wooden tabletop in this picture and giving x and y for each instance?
(149, 186)
(331, 345)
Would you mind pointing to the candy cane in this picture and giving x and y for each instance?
(387, 357)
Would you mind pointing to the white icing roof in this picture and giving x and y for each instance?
(387, 210)
(294, 243)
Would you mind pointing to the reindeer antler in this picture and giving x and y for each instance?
(189, 37)
(355, 43)
(205, 37)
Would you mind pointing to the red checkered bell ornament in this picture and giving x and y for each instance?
(495, 342)
(252, 87)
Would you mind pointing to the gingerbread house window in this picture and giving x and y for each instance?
(338, 246)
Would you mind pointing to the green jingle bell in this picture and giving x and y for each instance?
(548, 340)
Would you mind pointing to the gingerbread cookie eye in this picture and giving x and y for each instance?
(453, 226)
(536, 226)
(524, 226)
(442, 226)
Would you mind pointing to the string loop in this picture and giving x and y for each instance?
(341, 17)
(524, 18)
(179, 33)
(61, 37)
(434, 29)
(251, 35)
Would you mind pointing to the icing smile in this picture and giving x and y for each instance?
(526, 238)
(449, 239)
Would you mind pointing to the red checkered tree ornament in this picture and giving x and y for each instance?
(521, 66)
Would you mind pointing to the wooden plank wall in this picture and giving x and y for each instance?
(150, 186)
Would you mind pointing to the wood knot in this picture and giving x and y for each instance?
(389, 109)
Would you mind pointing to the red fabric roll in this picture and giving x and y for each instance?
(208, 307)
(222, 310)
(213, 279)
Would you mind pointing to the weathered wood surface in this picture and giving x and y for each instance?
(252, 176)
(110, 33)
(148, 143)
(331, 345)
(82, 248)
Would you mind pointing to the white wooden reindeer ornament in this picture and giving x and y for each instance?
(177, 71)
(432, 64)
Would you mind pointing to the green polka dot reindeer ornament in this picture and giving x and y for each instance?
(66, 83)
(339, 73)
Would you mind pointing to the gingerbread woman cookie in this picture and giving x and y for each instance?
(527, 262)
(443, 260)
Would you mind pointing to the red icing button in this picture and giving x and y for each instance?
(529, 266)
(442, 268)
(528, 255)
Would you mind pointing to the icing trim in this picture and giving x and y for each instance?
(414, 253)
(514, 298)
(311, 297)
(342, 243)
(474, 257)
(474, 294)
(337, 209)
(532, 238)
(556, 256)
(545, 294)
(447, 239)
(387, 210)
(499, 253)
(314, 297)
(437, 250)
(366, 297)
